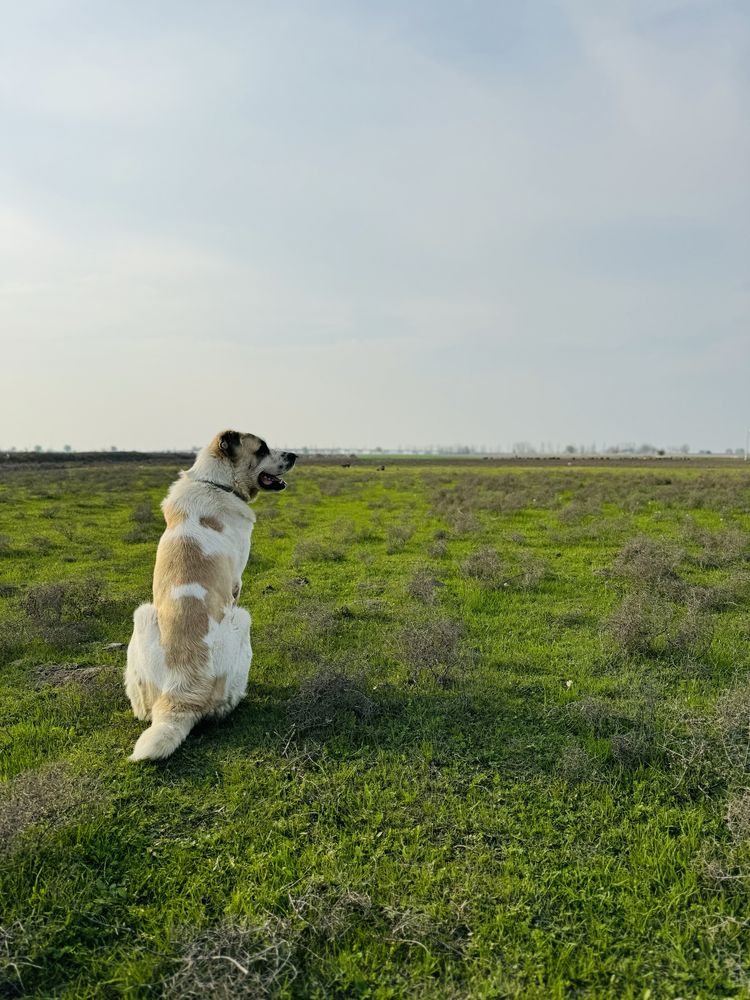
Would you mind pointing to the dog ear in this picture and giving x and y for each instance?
(229, 443)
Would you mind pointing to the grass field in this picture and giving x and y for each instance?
(496, 742)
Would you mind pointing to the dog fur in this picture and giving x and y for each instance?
(189, 655)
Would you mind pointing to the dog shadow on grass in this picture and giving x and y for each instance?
(347, 717)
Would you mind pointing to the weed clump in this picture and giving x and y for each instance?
(65, 613)
(633, 748)
(575, 765)
(315, 551)
(232, 960)
(397, 537)
(327, 698)
(645, 624)
(738, 816)
(423, 585)
(532, 571)
(50, 795)
(143, 513)
(486, 566)
(720, 548)
(434, 648)
(593, 715)
(651, 564)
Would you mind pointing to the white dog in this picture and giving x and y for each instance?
(189, 655)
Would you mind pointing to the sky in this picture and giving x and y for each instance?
(406, 223)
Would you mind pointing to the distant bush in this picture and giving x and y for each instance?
(143, 513)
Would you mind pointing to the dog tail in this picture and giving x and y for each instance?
(170, 724)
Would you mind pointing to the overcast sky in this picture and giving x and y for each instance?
(408, 222)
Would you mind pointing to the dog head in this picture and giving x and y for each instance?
(252, 464)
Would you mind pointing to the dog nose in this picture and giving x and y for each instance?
(290, 457)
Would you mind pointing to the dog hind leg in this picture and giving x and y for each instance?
(232, 654)
(144, 645)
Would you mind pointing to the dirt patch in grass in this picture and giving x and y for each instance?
(59, 674)
(51, 795)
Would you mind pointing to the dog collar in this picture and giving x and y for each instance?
(221, 486)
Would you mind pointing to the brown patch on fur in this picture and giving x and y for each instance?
(205, 697)
(184, 621)
(174, 516)
(212, 523)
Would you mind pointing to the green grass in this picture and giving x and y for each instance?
(495, 744)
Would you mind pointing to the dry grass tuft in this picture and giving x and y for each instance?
(397, 537)
(532, 571)
(650, 563)
(17, 943)
(143, 513)
(633, 748)
(65, 612)
(738, 815)
(50, 795)
(233, 960)
(567, 619)
(648, 625)
(329, 917)
(438, 549)
(594, 715)
(423, 585)
(719, 548)
(576, 765)
(486, 566)
(434, 647)
(327, 698)
(315, 551)
(633, 624)
(732, 721)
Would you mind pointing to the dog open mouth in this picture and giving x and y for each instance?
(268, 482)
